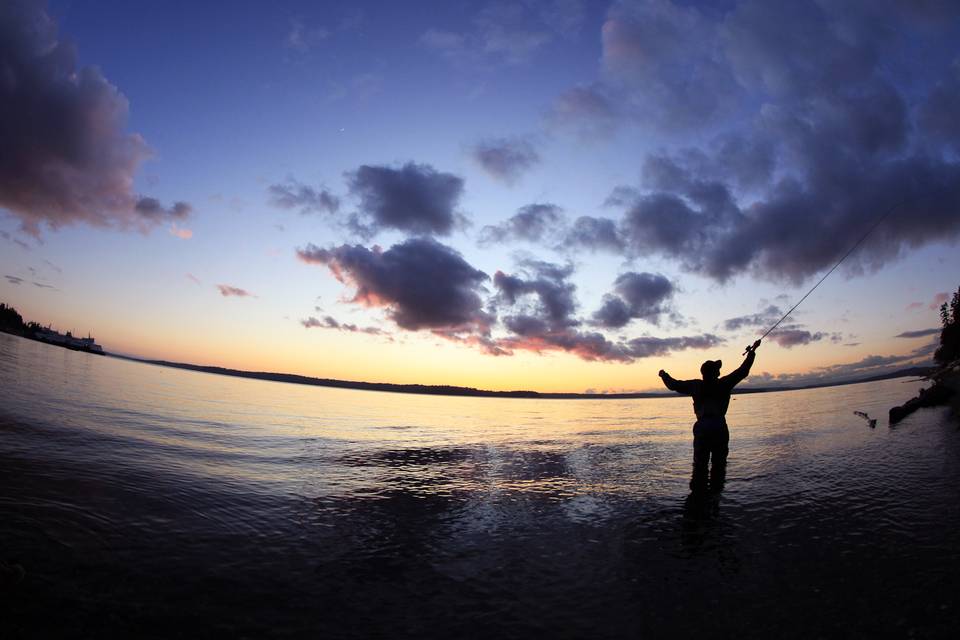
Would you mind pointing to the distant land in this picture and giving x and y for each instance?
(450, 390)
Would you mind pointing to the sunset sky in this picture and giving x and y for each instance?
(557, 195)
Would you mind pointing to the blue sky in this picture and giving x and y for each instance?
(731, 150)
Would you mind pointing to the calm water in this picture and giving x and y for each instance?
(146, 501)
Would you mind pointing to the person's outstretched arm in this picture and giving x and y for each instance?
(741, 372)
(680, 386)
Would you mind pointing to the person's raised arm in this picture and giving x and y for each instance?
(680, 386)
(741, 372)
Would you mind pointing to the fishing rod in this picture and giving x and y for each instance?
(832, 269)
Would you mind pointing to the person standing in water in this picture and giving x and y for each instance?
(711, 397)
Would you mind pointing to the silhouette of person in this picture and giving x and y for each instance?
(711, 397)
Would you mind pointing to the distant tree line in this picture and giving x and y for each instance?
(12, 322)
(949, 349)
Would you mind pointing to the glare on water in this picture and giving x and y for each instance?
(141, 499)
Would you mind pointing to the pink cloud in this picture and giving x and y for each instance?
(181, 232)
(914, 306)
(938, 300)
(194, 279)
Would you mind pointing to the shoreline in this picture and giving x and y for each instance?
(458, 391)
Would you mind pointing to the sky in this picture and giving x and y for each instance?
(556, 195)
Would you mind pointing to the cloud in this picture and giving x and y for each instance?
(506, 159)
(415, 198)
(294, 195)
(421, 283)
(938, 300)
(920, 333)
(789, 336)
(868, 366)
(805, 135)
(227, 291)
(425, 285)
(14, 279)
(180, 232)
(594, 234)
(648, 346)
(763, 319)
(329, 322)
(66, 157)
(540, 305)
(636, 295)
(531, 223)
(661, 56)
(17, 241)
(152, 209)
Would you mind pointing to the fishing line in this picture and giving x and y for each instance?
(833, 268)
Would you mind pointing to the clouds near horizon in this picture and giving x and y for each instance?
(420, 283)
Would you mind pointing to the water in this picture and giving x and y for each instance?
(151, 502)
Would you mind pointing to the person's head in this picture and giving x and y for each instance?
(710, 370)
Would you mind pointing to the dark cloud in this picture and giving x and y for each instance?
(920, 333)
(801, 228)
(594, 234)
(421, 283)
(506, 159)
(228, 291)
(539, 307)
(548, 283)
(539, 303)
(152, 209)
(329, 322)
(835, 124)
(793, 335)
(415, 198)
(14, 279)
(66, 157)
(636, 295)
(648, 346)
(306, 199)
(763, 319)
(532, 223)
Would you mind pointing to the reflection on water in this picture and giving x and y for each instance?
(145, 501)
